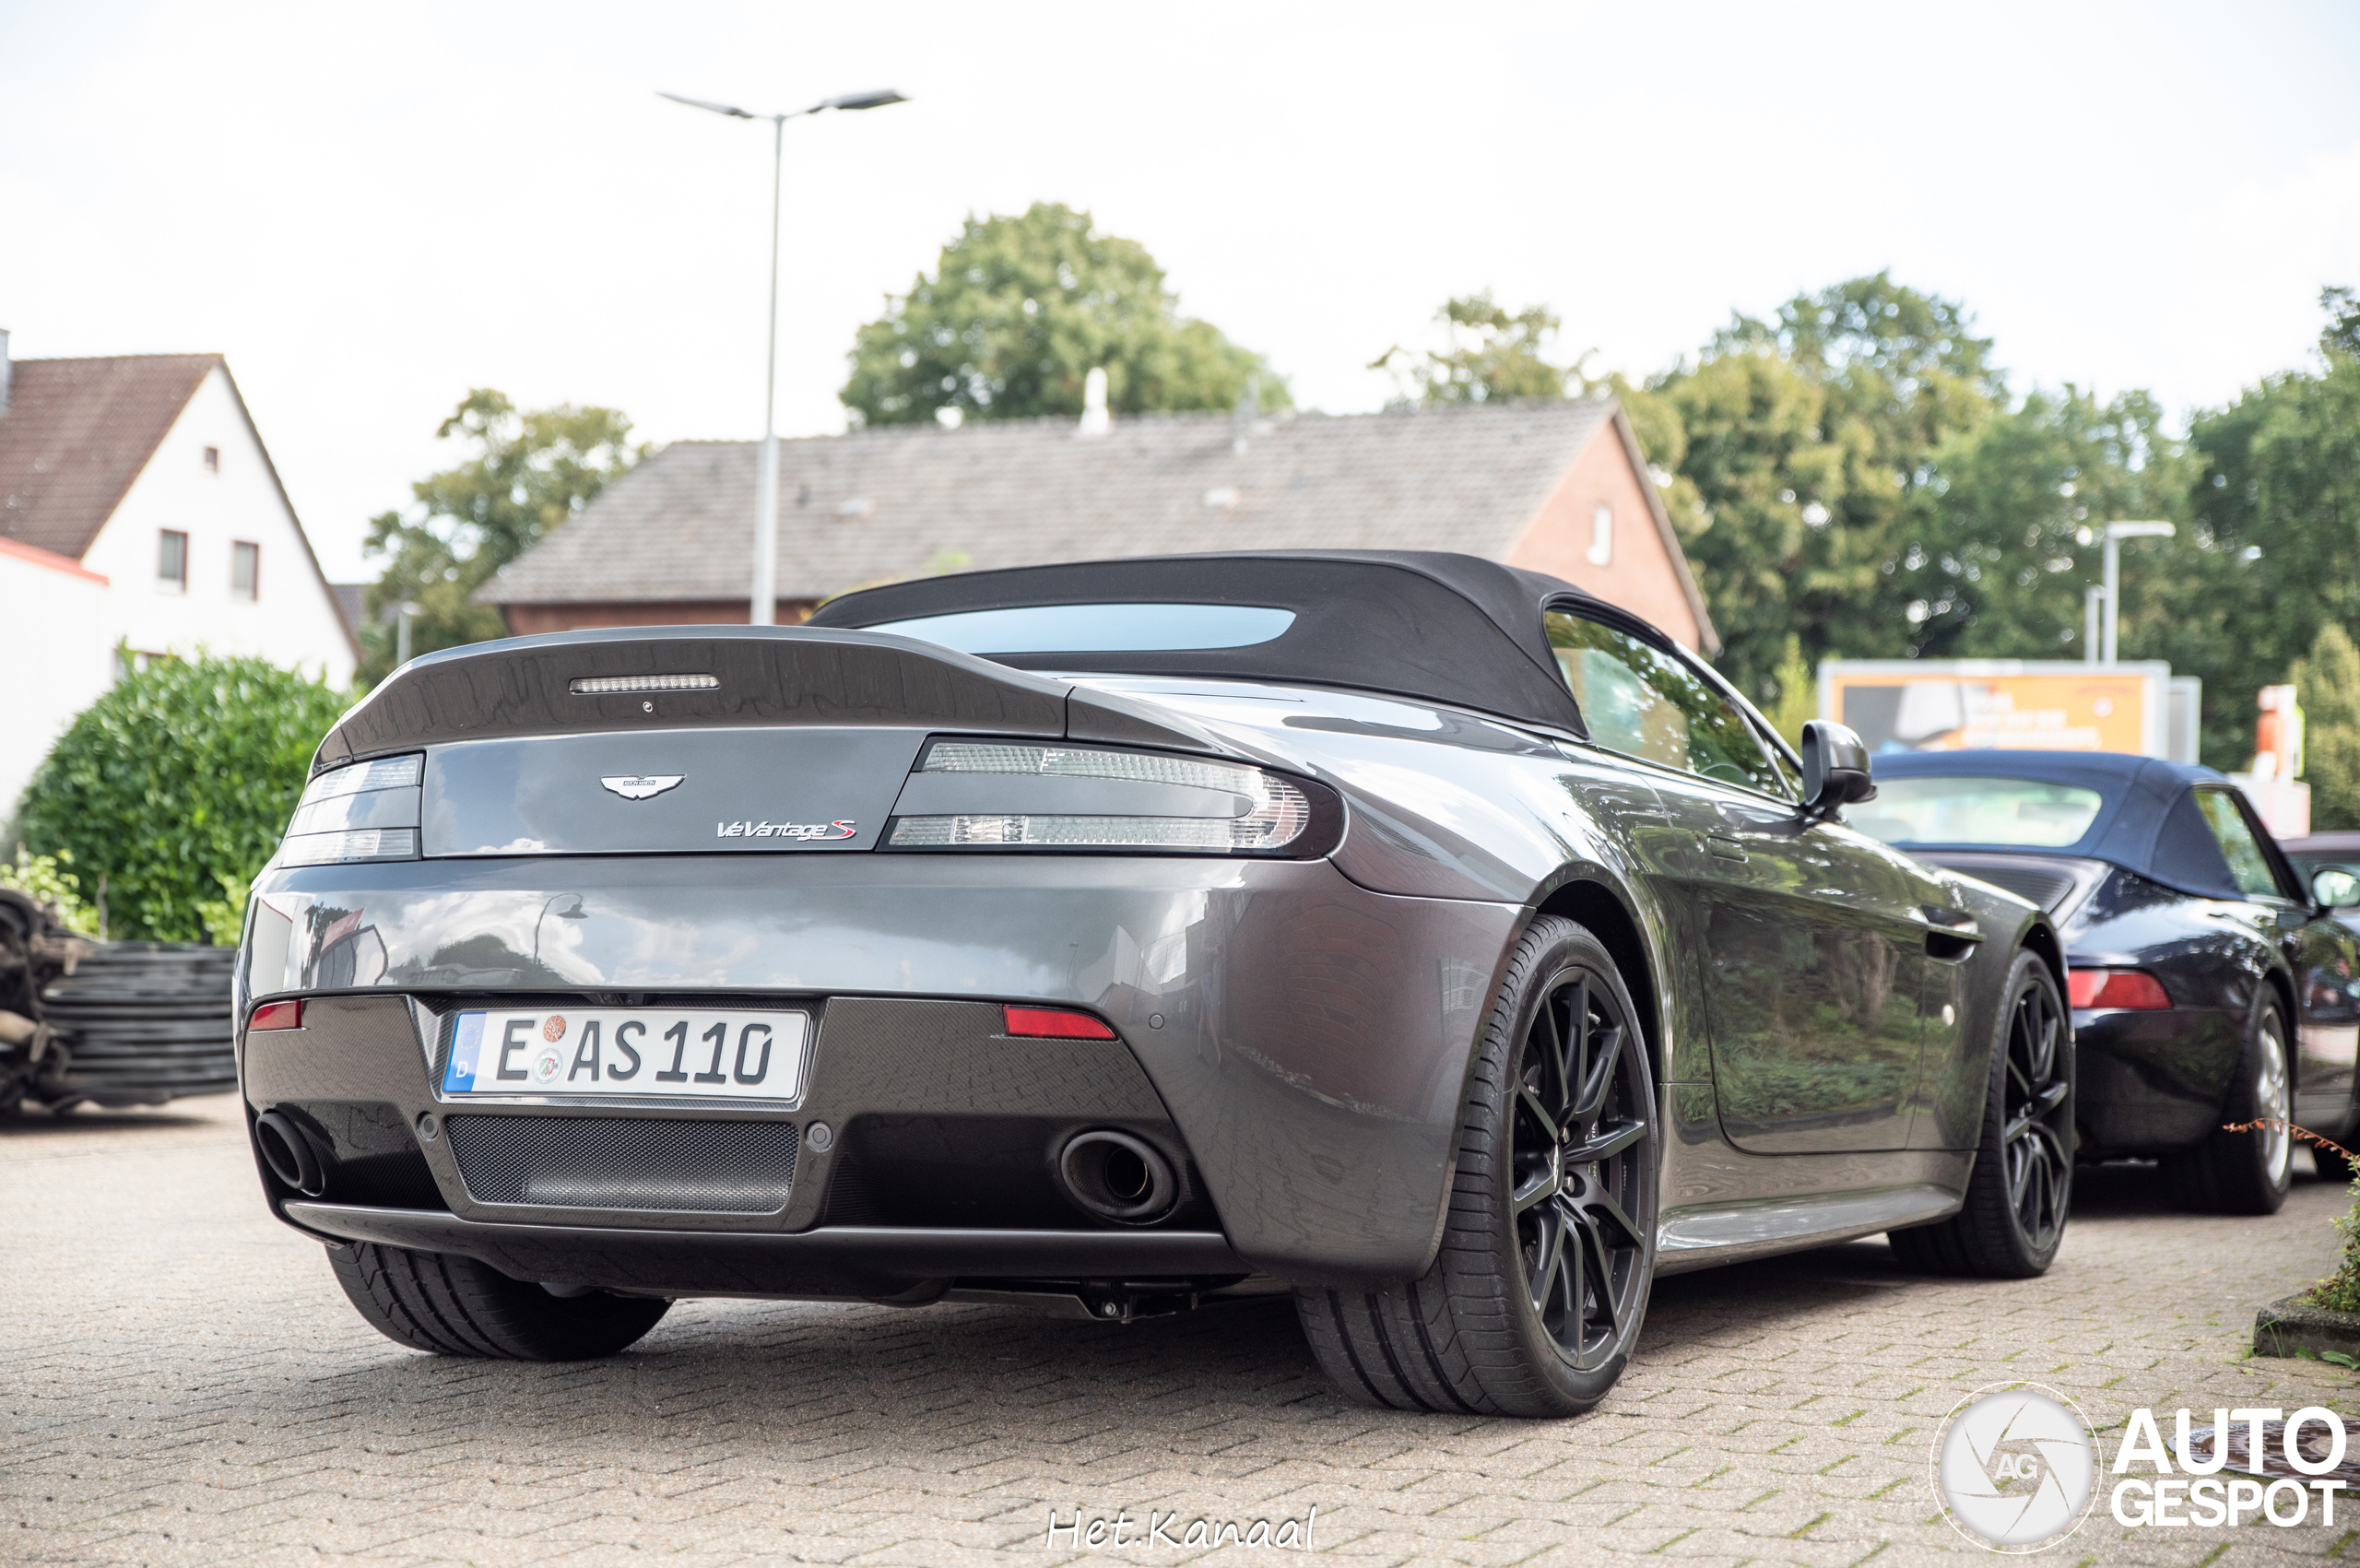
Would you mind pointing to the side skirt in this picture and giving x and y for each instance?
(1704, 1236)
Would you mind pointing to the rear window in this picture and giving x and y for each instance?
(1097, 628)
(2015, 813)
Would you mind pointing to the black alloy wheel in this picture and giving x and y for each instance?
(1533, 1302)
(2020, 1190)
(1581, 1133)
(2036, 1132)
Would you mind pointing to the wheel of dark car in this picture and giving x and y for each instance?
(1534, 1301)
(2017, 1197)
(2247, 1173)
(456, 1306)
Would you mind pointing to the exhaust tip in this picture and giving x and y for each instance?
(290, 1154)
(1116, 1176)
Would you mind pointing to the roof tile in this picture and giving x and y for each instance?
(902, 502)
(77, 434)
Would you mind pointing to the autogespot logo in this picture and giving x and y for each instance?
(2015, 1468)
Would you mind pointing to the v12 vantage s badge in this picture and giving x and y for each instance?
(641, 786)
(843, 827)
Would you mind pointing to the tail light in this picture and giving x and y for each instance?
(361, 811)
(1055, 1023)
(2132, 989)
(1008, 794)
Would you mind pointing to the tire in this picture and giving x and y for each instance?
(1562, 1066)
(2022, 1188)
(456, 1306)
(2247, 1172)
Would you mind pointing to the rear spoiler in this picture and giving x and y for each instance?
(708, 677)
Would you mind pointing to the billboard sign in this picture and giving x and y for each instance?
(2014, 704)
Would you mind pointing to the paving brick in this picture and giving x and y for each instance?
(187, 1385)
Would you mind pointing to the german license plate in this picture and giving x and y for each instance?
(655, 1051)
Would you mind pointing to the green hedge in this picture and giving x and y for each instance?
(175, 788)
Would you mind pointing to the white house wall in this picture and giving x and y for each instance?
(56, 667)
(293, 621)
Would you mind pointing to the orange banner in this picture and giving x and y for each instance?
(2087, 708)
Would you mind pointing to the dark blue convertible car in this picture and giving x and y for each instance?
(2209, 985)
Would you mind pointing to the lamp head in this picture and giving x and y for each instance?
(734, 113)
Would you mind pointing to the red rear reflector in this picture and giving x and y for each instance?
(2115, 988)
(1055, 1023)
(276, 1015)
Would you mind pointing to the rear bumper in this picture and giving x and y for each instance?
(1303, 1041)
(2153, 1082)
(834, 1260)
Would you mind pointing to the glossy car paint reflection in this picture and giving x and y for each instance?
(2158, 1081)
(1316, 1018)
(1324, 1091)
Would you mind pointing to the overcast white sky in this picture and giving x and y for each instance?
(372, 211)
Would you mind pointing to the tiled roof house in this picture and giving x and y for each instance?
(139, 507)
(1560, 487)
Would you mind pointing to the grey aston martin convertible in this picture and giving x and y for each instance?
(1414, 933)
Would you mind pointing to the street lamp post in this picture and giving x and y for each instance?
(763, 609)
(2115, 534)
(403, 613)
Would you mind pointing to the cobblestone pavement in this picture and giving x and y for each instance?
(182, 1382)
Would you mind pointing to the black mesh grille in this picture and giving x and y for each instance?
(679, 1167)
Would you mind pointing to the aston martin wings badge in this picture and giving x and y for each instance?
(639, 786)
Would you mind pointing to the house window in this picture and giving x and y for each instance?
(1601, 534)
(212, 459)
(129, 662)
(246, 570)
(172, 560)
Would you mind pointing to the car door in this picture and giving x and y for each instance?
(1809, 938)
(2331, 977)
(2320, 952)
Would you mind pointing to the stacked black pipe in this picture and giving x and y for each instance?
(142, 1022)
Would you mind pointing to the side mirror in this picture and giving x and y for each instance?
(2335, 887)
(1836, 768)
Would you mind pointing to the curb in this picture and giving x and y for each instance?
(2291, 1325)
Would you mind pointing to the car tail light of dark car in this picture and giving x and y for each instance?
(2126, 988)
(1008, 794)
(360, 811)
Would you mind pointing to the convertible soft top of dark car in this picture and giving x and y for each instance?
(1451, 629)
(2148, 822)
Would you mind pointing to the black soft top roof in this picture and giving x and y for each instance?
(2148, 823)
(1452, 629)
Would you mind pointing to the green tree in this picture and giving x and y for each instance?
(529, 473)
(1808, 443)
(169, 793)
(2273, 553)
(2342, 336)
(1794, 701)
(1491, 355)
(2003, 542)
(2327, 685)
(1018, 312)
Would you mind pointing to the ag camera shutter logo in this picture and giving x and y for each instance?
(2015, 1466)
